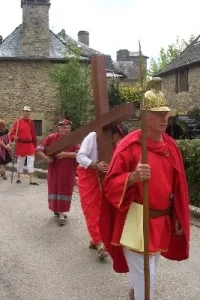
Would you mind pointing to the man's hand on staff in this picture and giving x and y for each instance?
(141, 173)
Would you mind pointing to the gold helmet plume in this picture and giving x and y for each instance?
(154, 99)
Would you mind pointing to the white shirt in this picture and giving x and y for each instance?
(88, 152)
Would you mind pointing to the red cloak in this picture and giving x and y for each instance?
(116, 201)
(61, 176)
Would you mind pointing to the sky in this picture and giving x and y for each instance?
(116, 24)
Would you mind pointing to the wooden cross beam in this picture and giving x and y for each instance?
(104, 118)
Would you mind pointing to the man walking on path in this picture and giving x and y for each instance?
(61, 172)
(121, 218)
(24, 135)
(90, 186)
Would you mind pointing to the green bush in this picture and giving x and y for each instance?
(191, 155)
(119, 93)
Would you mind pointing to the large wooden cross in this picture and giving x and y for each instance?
(104, 118)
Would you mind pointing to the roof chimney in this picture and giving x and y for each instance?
(1, 39)
(35, 28)
(122, 55)
(83, 37)
(63, 34)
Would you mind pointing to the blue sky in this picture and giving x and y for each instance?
(116, 24)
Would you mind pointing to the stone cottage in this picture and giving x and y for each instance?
(27, 57)
(128, 63)
(181, 79)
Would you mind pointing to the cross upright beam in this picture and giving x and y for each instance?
(104, 118)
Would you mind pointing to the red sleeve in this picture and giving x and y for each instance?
(45, 143)
(12, 133)
(115, 185)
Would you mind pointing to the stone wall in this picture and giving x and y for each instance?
(183, 101)
(133, 124)
(28, 83)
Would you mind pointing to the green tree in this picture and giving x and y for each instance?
(74, 86)
(168, 55)
(114, 94)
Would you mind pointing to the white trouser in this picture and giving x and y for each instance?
(30, 163)
(135, 263)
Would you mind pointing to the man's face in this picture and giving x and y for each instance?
(157, 121)
(64, 129)
(26, 114)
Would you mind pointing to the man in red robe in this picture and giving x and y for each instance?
(121, 218)
(89, 183)
(24, 135)
(61, 172)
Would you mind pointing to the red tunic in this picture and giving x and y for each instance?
(26, 136)
(90, 197)
(164, 181)
(61, 176)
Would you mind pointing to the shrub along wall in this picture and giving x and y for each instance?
(191, 155)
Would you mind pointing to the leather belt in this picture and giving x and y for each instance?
(158, 213)
(25, 142)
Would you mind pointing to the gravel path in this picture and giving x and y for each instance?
(40, 260)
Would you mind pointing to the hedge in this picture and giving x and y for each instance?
(190, 150)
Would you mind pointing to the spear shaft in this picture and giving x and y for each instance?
(144, 184)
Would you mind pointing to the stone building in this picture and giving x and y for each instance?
(128, 63)
(27, 57)
(181, 79)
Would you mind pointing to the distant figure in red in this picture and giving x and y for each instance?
(121, 217)
(61, 172)
(24, 135)
(5, 156)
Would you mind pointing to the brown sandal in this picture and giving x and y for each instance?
(93, 246)
(61, 220)
(56, 214)
(102, 253)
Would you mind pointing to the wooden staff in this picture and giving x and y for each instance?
(144, 184)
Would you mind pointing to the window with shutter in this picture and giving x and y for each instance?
(181, 80)
(38, 127)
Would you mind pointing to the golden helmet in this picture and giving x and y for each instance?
(154, 99)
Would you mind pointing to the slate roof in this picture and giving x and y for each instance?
(85, 50)
(10, 48)
(88, 52)
(129, 68)
(190, 56)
